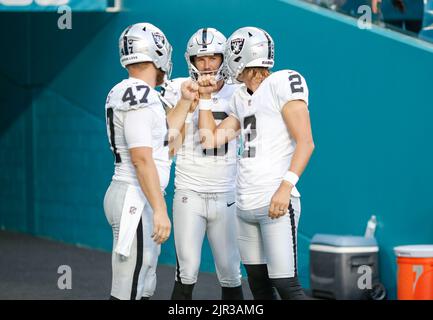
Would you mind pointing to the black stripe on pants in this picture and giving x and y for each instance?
(293, 231)
(178, 279)
(139, 261)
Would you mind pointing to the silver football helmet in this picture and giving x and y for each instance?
(247, 47)
(205, 42)
(143, 42)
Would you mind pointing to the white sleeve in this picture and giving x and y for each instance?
(232, 107)
(138, 125)
(170, 91)
(291, 86)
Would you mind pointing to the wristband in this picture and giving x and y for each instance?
(291, 177)
(204, 104)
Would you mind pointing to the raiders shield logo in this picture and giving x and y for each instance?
(236, 45)
(159, 39)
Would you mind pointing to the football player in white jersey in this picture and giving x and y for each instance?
(271, 112)
(137, 130)
(205, 178)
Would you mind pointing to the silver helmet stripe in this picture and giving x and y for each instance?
(204, 38)
(269, 45)
(125, 41)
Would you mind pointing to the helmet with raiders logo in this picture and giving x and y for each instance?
(143, 42)
(205, 42)
(248, 47)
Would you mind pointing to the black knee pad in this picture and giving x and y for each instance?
(289, 289)
(234, 293)
(182, 291)
(260, 284)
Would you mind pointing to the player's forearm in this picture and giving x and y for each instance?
(297, 119)
(207, 126)
(148, 178)
(301, 156)
(176, 143)
(176, 117)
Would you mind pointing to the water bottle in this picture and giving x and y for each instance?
(371, 227)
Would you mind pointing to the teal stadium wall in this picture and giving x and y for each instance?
(371, 110)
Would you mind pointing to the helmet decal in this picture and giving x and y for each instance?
(236, 45)
(159, 39)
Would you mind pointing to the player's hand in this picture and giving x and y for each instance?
(280, 200)
(374, 5)
(206, 85)
(161, 226)
(189, 90)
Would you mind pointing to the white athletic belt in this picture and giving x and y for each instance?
(131, 214)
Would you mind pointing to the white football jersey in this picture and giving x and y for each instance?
(212, 170)
(268, 145)
(135, 118)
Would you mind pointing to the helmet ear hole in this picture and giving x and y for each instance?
(237, 59)
(159, 53)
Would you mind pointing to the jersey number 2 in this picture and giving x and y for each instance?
(296, 83)
(250, 152)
